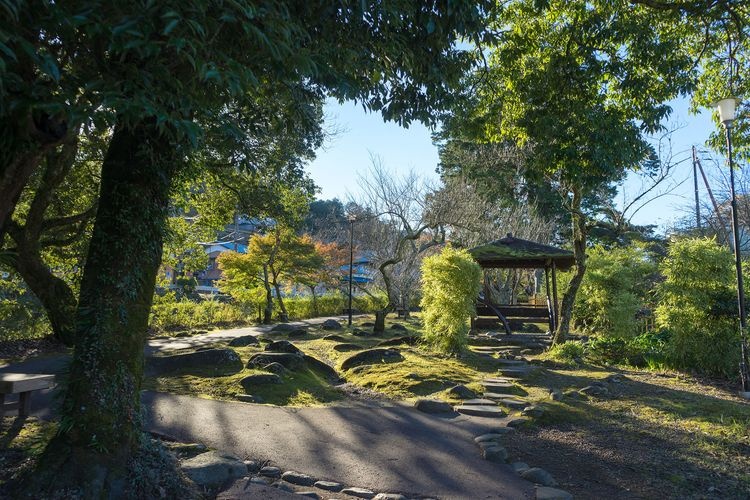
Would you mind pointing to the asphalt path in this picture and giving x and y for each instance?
(391, 448)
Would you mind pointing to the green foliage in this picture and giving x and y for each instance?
(614, 289)
(697, 306)
(569, 352)
(647, 349)
(451, 281)
(169, 314)
(21, 314)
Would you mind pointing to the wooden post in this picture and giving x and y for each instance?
(554, 294)
(550, 307)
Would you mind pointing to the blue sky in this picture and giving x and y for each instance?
(361, 135)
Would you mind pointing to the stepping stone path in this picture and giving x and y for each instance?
(498, 391)
(480, 410)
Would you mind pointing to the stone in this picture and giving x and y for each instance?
(283, 328)
(480, 410)
(270, 471)
(462, 392)
(495, 453)
(488, 438)
(478, 402)
(246, 398)
(253, 466)
(594, 390)
(253, 381)
(358, 332)
(533, 411)
(324, 369)
(616, 378)
(514, 372)
(347, 347)
(331, 324)
(213, 469)
(219, 360)
(299, 478)
(187, 447)
(261, 480)
(547, 493)
(335, 338)
(288, 360)
(504, 388)
(283, 486)
(573, 394)
(329, 485)
(389, 496)
(309, 494)
(276, 368)
(398, 327)
(244, 341)
(515, 404)
(358, 492)
(511, 363)
(518, 422)
(406, 339)
(520, 467)
(368, 324)
(539, 476)
(433, 406)
(282, 346)
(555, 395)
(371, 357)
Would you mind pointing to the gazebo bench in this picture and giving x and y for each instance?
(23, 384)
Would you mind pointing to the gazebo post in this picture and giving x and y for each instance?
(554, 293)
(550, 306)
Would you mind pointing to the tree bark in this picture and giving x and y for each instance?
(274, 276)
(101, 412)
(268, 311)
(579, 253)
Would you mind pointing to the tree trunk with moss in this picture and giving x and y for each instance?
(579, 254)
(101, 413)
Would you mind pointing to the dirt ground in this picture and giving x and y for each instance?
(653, 436)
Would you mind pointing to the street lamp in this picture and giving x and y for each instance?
(727, 110)
(351, 218)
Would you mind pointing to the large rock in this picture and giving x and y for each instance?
(406, 339)
(495, 453)
(243, 341)
(289, 360)
(346, 347)
(217, 360)
(213, 469)
(539, 476)
(283, 328)
(398, 327)
(371, 357)
(276, 368)
(252, 382)
(282, 346)
(462, 392)
(433, 406)
(335, 338)
(323, 368)
(331, 324)
(297, 333)
(298, 478)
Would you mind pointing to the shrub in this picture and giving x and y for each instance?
(451, 281)
(614, 289)
(697, 306)
(570, 351)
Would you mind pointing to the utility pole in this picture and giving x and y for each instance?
(697, 200)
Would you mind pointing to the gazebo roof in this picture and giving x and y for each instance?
(511, 252)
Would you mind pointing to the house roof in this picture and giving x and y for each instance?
(511, 252)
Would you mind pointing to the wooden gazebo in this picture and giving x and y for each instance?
(515, 253)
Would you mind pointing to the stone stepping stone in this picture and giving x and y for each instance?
(497, 380)
(504, 388)
(478, 402)
(488, 349)
(512, 362)
(516, 404)
(480, 411)
(515, 372)
(497, 396)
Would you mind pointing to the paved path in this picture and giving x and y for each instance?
(395, 449)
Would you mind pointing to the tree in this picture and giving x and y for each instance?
(451, 281)
(321, 267)
(242, 277)
(163, 73)
(571, 85)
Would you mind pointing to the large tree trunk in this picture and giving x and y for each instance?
(101, 412)
(579, 253)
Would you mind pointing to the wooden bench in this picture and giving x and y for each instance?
(23, 384)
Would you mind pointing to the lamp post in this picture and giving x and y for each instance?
(352, 218)
(727, 109)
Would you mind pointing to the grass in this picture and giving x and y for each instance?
(22, 441)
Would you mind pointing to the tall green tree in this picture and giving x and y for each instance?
(162, 72)
(572, 86)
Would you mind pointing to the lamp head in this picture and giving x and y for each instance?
(727, 110)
